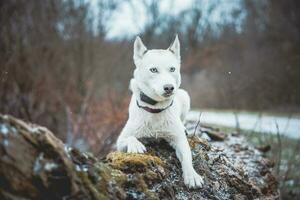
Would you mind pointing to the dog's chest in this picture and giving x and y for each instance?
(155, 126)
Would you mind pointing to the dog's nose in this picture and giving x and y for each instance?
(168, 88)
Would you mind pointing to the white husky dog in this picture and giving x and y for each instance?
(158, 106)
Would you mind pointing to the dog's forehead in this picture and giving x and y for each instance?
(160, 57)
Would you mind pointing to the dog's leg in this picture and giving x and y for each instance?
(183, 152)
(128, 143)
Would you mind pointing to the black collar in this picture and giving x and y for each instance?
(147, 99)
(152, 102)
(153, 110)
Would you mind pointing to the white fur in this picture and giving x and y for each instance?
(167, 124)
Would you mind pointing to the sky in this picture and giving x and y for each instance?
(129, 19)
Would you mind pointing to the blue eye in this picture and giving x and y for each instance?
(172, 69)
(153, 70)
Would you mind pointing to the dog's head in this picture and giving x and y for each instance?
(157, 72)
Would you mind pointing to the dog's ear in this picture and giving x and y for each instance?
(139, 50)
(175, 47)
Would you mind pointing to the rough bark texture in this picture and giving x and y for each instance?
(34, 164)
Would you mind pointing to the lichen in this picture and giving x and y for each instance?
(133, 161)
(143, 171)
(194, 141)
(95, 192)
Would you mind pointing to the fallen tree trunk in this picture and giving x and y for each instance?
(34, 164)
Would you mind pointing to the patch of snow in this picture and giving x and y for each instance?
(78, 168)
(14, 130)
(67, 150)
(40, 163)
(34, 130)
(5, 142)
(181, 195)
(290, 183)
(50, 166)
(85, 156)
(135, 195)
(83, 168)
(4, 129)
(38, 129)
(205, 136)
(37, 163)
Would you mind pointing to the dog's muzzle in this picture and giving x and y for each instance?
(168, 88)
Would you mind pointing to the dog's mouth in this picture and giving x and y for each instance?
(167, 94)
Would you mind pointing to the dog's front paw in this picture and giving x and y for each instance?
(135, 146)
(192, 179)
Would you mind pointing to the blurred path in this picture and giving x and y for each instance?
(289, 126)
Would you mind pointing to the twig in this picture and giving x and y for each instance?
(69, 125)
(291, 159)
(287, 123)
(237, 123)
(198, 123)
(257, 122)
(280, 147)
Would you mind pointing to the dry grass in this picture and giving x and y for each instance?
(99, 123)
